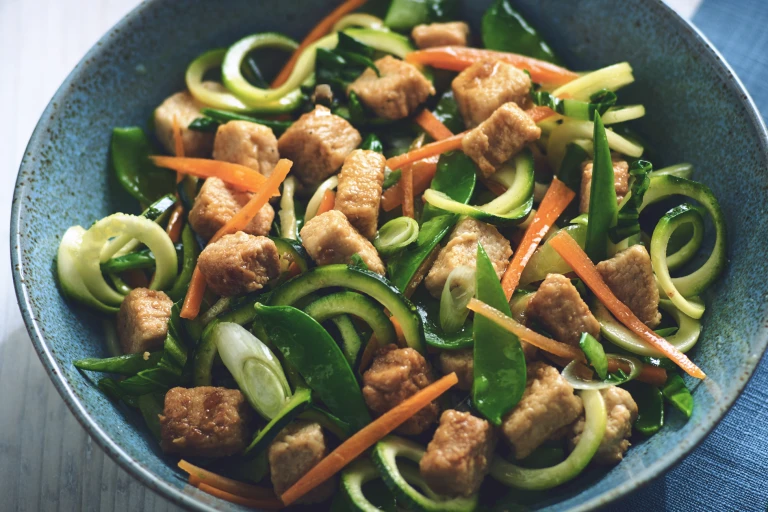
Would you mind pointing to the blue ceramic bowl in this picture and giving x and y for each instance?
(698, 112)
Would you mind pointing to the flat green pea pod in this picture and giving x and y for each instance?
(500, 371)
(189, 259)
(137, 174)
(602, 197)
(309, 348)
(128, 364)
(505, 29)
(677, 393)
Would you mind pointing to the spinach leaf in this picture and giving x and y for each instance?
(505, 29)
(137, 174)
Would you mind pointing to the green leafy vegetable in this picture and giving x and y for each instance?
(341, 66)
(599, 103)
(447, 112)
(372, 143)
(222, 116)
(137, 174)
(403, 15)
(204, 124)
(151, 407)
(505, 29)
(595, 354)
(499, 371)
(602, 197)
(677, 393)
(650, 406)
(628, 217)
(129, 364)
(191, 250)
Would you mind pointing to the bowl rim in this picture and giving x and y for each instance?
(177, 495)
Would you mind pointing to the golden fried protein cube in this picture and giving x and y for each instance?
(217, 203)
(395, 94)
(205, 422)
(500, 137)
(461, 249)
(454, 33)
(239, 263)
(485, 86)
(395, 375)
(142, 321)
(559, 307)
(330, 238)
(620, 179)
(358, 194)
(250, 144)
(296, 450)
(622, 413)
(547, 405)
(317, 143)
(629, 275)
(460, 361)
(459, 455)
(185, 108)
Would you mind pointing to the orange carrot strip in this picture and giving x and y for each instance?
(540, 113)
(233, 174)
(175, 222)
(257, 503)
(435, 148)
(432, 125)
(406, 186)
(649, 374)
(223, 483)
(367, 437)
(238, 222)
(557, 198)
(178, 145)
(327, 203)
(458, 58)
(322, 28)
(423, 172)
(537, 340)
(135, 278)
(578, 260)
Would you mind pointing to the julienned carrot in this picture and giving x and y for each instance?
(426, 151)
(234, 174)
(135, 278)
(321, 29)
(178, 145)
(223, 483)
(578, 260)
(257, 503)
(648, 374)
(238, 222)
(367, 437)
(539, 113)
(406, 185)
(458, 58)
(327, 203)
(557, 198)
(537, 340)
(175, 222)
(423, 172)
(432, 125)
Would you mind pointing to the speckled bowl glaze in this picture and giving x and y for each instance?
(698, 111)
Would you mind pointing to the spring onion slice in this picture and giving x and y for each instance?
(140, 228)
(571, 130)
(69, 276)
(547, 478)
(288, 223)
(684, 339)
(361, 20)
(254, 367)
(612, 78)
(459, 288)
(314, 202)
(570, 374)
(220, 98)
(396, 235)
(682, 170)
(623, 113)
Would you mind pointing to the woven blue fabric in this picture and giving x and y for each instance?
(729, 471)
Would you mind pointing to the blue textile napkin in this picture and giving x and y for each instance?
(729, 471)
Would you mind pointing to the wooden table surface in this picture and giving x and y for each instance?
(47, 461)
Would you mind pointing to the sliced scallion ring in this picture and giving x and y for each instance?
(458, 290)
(571, 374)
(140, 228)
(317, 198)
(396, 235)
(595, 416)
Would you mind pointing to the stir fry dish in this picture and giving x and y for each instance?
(398, 264)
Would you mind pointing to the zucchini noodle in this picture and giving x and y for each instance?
(612, 78)
(288, 223)
(542, 479)
(314, 202)
(146, 231)
(361, 20)
(614, 331)
(624, 113)
(546, 260)
(572, 130)
(353, 478)
(683, 170)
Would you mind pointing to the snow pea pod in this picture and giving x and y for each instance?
(500, 371)
(505, 29)
(129, 364)
(603, 206)
(137, 174)
(308, 347)
(190, 250)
